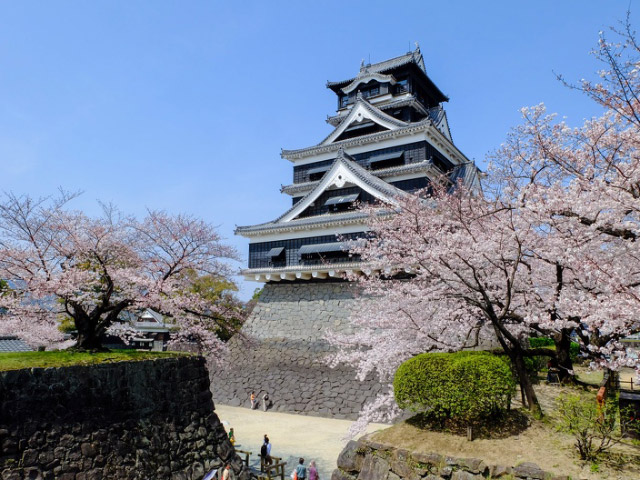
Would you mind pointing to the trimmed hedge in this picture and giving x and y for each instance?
(462, 386)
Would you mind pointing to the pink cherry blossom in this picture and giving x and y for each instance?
(62, 263)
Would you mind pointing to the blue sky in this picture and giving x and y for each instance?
(185, 105)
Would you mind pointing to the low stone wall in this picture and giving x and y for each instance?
(283, 353)
(128, 420)
(367, 460)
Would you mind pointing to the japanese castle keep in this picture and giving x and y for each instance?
(390, 137)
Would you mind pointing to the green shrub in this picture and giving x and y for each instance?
(539, 342)
(595, 429)
(462, 386)
(535, 364)
(574, 350)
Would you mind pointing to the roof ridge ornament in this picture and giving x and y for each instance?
(419, 58)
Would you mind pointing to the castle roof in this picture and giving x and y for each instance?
(408, 100)
(381, 173)
(343, 170)
(362, 111)
(414, 57)
(410, 58)
(361, 140)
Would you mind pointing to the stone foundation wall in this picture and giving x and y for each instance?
(366, 460)
(128, 420)
(283, 353)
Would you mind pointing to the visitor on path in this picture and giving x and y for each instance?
(265, 401)
(265, 451)
(232, 437)
(226, 472)
(301, 470)
(313, 471)
(252, 398)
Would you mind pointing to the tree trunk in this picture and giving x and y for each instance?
(88, 342)
(526, 387)
(563, 354)
(88, 335)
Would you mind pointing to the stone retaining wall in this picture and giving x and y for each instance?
(283, 353)
(128, 420)
(366, 460)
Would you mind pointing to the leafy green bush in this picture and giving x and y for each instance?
(537, 363)
(574, 350)
(595, 429)
(539, 342)
(462, 386)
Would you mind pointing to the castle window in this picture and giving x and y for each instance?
(317, 173)
(387, 160)
(341, 203)
(276, 257)
(370, 92)
(402, 86)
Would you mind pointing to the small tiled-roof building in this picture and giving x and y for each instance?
(13, 344)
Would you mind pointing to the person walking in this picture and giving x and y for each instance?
(301, 470)
(265, 451)
(265, 401)
(252, 399)
(232, 437)
(313, 471)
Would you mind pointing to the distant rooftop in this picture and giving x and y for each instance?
(386, 65)
(13, 344)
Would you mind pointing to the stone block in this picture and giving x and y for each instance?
(446, 472)
(473, 465)
(8, 474)
(497, 471)
(434, 459)
(338, 474)
(351, 457)
(29, 457)
(374, 468)
(400, 464)
(33, 474)
(529, 470)
(464, 475)
(88, 450)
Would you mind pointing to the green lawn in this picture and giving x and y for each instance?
(62, 358)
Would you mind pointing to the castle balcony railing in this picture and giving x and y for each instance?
(321, 270)
(329, 260)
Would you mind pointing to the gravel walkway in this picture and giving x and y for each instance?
(292, 436)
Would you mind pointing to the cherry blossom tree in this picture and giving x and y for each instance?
(455, 272)
(581, 187)
(550, 247)
(62, 263)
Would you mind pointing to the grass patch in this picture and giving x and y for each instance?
(65, 358)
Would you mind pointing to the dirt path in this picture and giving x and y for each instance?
(292, 436)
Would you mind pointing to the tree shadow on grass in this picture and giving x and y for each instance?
(506, 425)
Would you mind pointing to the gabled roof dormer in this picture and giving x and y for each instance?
(366, 77)
(361, 116)
(343, 173)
